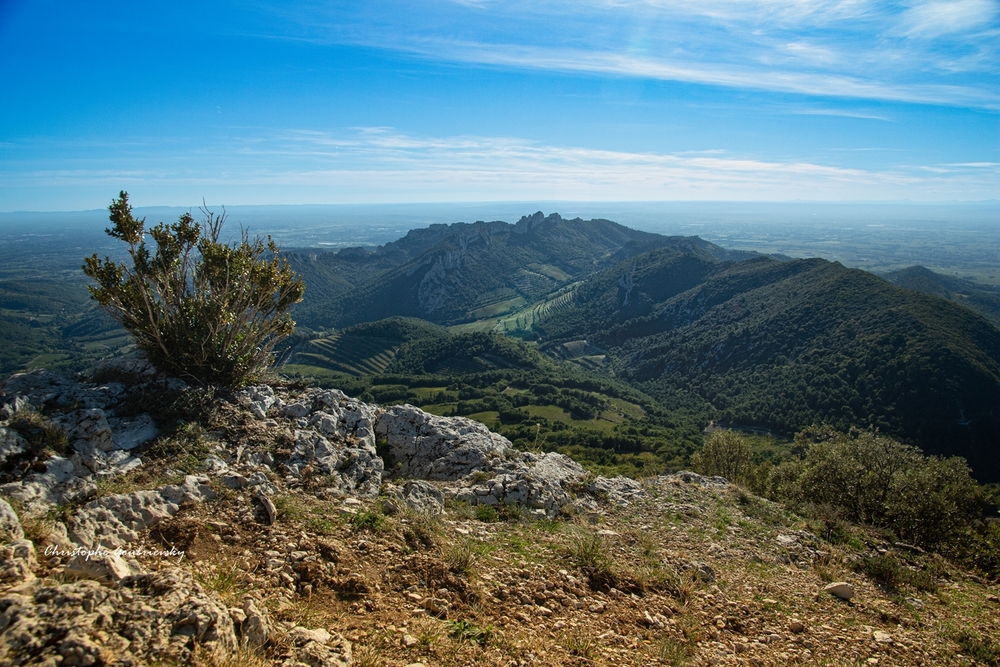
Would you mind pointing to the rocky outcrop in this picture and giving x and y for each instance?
(278, 444)
(425, 446)
(333, 438)
(114, 521)
(99, 440)
(332, 451)
(156, 617)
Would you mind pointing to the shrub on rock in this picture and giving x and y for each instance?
(201, 309)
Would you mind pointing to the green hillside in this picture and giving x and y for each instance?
(984, 299)
(781, 345)
(52, 323)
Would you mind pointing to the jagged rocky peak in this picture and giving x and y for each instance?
(537, 219)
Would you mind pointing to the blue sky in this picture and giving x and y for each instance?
(480, 100)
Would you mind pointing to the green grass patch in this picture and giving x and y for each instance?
(371, 521)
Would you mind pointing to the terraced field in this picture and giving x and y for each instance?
(526, 318)
(498, 308)
(346, 353)
(579, 352)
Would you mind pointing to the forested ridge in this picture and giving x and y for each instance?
(782, 345)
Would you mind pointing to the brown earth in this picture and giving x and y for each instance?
(688, 574)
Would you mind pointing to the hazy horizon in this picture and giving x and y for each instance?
(958, 239)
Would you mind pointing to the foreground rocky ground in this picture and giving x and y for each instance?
(295, 526)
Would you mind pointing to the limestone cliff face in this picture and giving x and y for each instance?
(433, 292)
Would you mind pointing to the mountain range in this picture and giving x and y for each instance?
(749, 340)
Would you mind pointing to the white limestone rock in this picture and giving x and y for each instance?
(259, 400)
(127, 434)
(11, 443)
(115, 521)
(158, 617)
(106, 566)
(419, 495)
(426, 446)
(350, 470)
(11, 406)
(617, 490)
(10, 525)
(841, 589)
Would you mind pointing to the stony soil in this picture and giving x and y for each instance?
(689, 574)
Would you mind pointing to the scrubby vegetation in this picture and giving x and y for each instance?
(199, 308)
(866, 478)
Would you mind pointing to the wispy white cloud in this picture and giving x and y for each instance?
(935, 51)
(944, 17)
(379, 164)
(738, 76)
(842, 113)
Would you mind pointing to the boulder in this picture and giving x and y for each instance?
(841, 589)
(617, 490)
(129, 433)
(419, 495)
(425, 446)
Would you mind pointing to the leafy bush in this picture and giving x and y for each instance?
(893, 574)
(727, 454)
(868, 478)
(372, 521)
(199, 308)
(857, 471)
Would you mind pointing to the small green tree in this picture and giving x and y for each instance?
(856, 471)
(200, 309)
(727, 454)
